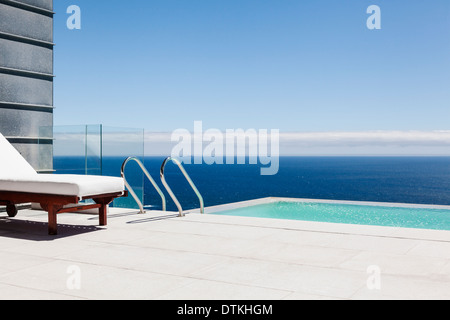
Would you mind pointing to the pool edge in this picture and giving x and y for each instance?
(329, 227)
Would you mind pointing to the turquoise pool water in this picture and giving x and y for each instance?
(436, 219)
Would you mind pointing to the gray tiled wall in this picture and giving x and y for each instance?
(24, 123)
(45, 4)
(23, 56)
(26, 81)
(25, 23)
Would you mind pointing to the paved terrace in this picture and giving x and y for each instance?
(161, 256)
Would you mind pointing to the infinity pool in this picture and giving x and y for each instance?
(377, 215)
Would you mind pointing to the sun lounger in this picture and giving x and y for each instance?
(20, 183)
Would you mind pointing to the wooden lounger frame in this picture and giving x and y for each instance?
(54, 204)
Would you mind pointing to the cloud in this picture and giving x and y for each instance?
(339, 143)
(366, 143)
(380, 138)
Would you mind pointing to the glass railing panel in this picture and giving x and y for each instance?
(94, 150)
(117, 145)
(77, 149)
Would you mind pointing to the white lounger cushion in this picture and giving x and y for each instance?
(17, 175)
(65, 184)
(12, 164)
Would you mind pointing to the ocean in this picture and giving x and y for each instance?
(420, 180)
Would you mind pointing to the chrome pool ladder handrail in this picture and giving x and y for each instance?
(169, 190)
(144, 170)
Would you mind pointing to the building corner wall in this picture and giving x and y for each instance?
(26, 78)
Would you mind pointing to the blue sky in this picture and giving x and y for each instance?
(293, 65)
